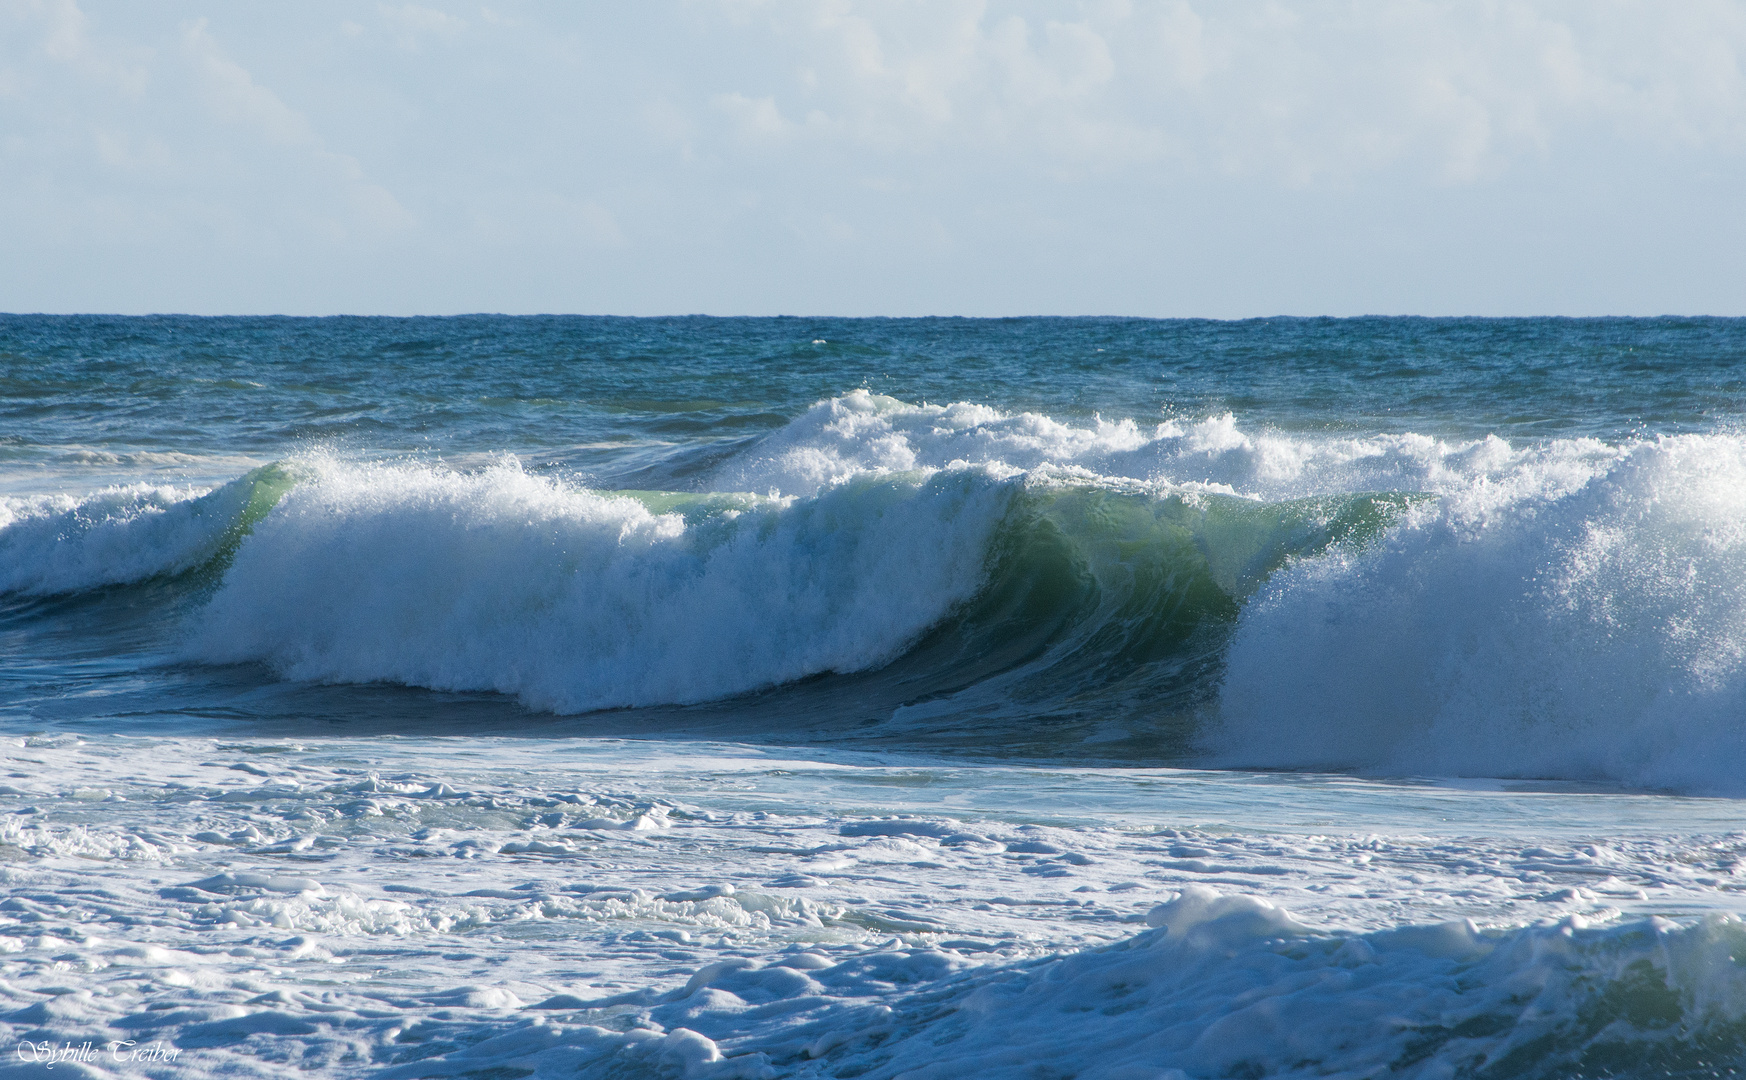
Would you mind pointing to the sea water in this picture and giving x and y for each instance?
(577, 697)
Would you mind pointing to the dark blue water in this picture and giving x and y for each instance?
(593, 394)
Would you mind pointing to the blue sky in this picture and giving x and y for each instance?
(1129, 157)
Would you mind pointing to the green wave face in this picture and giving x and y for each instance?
(236, 508)
(1103, 620)
(135, 536)
(249, 499)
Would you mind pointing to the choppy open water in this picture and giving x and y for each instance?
(825, 698)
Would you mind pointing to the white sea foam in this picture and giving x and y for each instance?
(861, 433)
(575, 600)
(1536, 626)
(453, 908)
(58, 543)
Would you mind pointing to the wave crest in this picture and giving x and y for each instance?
(58, 544)
(1590, 631)
(573, 600)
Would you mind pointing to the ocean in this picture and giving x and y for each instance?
(1109, 699)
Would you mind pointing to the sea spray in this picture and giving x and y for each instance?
(575, 600)
(53, 544)
(1554, 625)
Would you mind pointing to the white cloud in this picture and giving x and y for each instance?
(1149, 156)
(58, 30)
(756, 119)
(1303, 93)
(411, 23)
(64, 36)
(130, 140)
(234, 96)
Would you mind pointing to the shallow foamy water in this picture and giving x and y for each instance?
(610, 908)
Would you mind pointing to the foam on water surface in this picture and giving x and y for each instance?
(603, 908)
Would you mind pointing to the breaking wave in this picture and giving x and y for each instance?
(1396, 603)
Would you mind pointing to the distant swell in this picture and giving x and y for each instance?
(1189, 592)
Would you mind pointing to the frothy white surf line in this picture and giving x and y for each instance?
(862, 433)
(57, 543)
(588, 908)
(1566, 609)
(574, 600)
(1533, 627)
